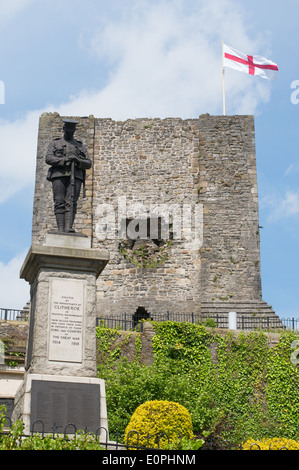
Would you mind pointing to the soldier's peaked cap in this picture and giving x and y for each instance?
(70, 122)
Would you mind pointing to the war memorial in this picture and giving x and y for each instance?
(147, 215)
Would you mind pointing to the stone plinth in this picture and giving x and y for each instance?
(62, 340)
(63, 308)
(62, 404)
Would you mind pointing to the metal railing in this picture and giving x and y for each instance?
(120, 322)
(11, 314)
(101, 436)
(252, 322)
(127, 321)
(153, 443)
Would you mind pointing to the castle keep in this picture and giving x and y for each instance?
(175, 202)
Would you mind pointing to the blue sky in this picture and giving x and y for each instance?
(150, 58)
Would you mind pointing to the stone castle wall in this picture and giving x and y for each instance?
(203, 171)
(230, 256)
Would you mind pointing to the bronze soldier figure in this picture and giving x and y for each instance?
(69, 161)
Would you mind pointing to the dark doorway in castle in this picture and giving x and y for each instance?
(140, 314)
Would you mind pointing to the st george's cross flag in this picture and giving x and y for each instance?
(253, 65)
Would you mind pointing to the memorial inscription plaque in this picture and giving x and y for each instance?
(66, 320)
(59, 404)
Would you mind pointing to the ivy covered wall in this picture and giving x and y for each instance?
(234, 387)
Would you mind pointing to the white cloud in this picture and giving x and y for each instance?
(281, 207)
(14, 292)
(18, 148)
(9, 9)
(290, 204)
(292, 169)
(166, 60)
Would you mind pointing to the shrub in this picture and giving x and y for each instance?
(276, 443)
(158, 423)
(14, 440)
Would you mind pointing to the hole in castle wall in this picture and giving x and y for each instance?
(140, 314)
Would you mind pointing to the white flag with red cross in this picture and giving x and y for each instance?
(253, 65)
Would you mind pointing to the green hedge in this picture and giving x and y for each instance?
(14, 440)
(244, 389)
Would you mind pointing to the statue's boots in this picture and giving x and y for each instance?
(69, 220)
(60, 222)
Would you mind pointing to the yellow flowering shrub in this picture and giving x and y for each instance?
(276, 443)
(153, 420)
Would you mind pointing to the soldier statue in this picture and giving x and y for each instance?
(69, 161)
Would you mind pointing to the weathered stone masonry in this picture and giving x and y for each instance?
(206, 166)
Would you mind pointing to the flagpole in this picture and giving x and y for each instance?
(223, 80)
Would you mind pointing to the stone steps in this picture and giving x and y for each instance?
(250, 313)
(249, 307)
